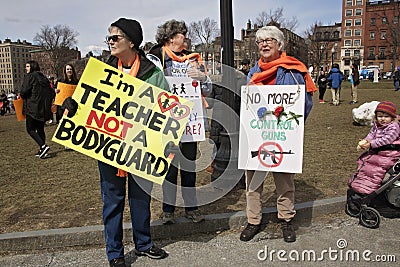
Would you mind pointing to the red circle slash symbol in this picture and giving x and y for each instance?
(270, 150)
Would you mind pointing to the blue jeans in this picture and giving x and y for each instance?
(113, 191)
(186, 161)
(396, 85)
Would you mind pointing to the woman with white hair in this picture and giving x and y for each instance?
(275, 68)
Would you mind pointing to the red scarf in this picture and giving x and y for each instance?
(269, 70)
(133, 72)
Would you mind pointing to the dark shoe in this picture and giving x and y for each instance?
(249, 232)
(168, 218)
(117, 262)
(153, 253)
(289, 235)
(195, 216)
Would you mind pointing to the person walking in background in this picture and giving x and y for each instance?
(275, 68)
(38, 96)
(322, 82)
(355, 78)
(336, 78)
(69, 77)
(396, 79)
(170, 55)
(245, 66)
(3, 103)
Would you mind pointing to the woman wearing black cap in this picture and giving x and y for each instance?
(124, 40)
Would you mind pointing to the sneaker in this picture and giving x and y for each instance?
(153, 253)
(120, 262)
(37, 154)
(195, 216)
(289, 235)
(249, 232)
(168, 218)
(43, 151)
(321, 101)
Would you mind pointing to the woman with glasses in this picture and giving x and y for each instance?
(172, 56)
(275, 68)
(125, 37)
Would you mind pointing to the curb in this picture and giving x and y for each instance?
(93, 235)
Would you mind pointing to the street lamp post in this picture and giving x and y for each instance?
(333, 52)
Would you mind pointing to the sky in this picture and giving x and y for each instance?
(22, 19)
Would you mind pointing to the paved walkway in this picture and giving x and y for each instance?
(326, 237)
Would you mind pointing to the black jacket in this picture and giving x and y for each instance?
(38, 96)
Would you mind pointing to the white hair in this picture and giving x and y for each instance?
(271, 32)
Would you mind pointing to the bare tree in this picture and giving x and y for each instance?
(204, 32)
(319, 42)
(56, 40)
(276, 17)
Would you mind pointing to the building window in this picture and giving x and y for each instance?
(318, 35)
(357, 22)
(382, 52)
(336, 34)
(357, 32)
(358, 12)
(372, 35)
(373, 21)
(347, 62)
(347, 33)
(384, 20)
(357, 42)
(347, 53)
(371, 52)
(383, 35)
(349, 2)
(396, 19)
(327, 35)
(359, 2)
(357, 53)
(347, 43)
(348, 22)
(349, 12)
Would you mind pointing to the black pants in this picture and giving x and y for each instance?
(322, 91)
(35, 129)
(186, 162)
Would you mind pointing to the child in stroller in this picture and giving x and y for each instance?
(383, 144)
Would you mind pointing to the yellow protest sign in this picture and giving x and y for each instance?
(66, 90)
(124, 121)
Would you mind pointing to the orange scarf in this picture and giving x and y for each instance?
(133, 72)
(269, 70)
(193, 58)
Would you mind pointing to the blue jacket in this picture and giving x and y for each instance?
(283, 77)
(336, 77)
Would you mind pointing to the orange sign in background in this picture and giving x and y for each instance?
(66, 90)
(18, 109)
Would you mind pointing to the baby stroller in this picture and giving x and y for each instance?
(383, 201)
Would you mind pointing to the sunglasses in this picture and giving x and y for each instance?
(114, 38)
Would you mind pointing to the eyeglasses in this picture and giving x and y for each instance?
(267, 41)
(114, 38)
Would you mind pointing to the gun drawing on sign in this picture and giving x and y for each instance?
(270, 154)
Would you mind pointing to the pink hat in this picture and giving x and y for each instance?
(387, 107)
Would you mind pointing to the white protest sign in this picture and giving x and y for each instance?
(274, 141)
(189, 89)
